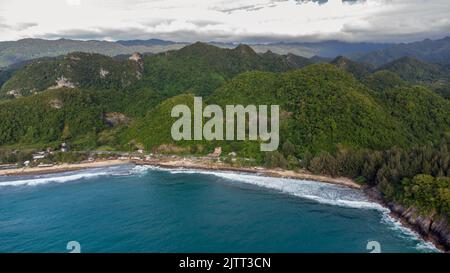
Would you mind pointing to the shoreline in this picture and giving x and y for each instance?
(64, 167)
(203, 164)
(199, 164)
(191, 163)
(375, 196)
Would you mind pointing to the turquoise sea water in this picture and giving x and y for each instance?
(131, 208)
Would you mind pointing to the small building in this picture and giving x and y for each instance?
(217, 152)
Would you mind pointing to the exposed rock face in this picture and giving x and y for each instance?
(14, 93)
(103, 73)
(116, 118)
(137, 57)
(430, 226)
(63, 82)
(434, 227)
(441, 227)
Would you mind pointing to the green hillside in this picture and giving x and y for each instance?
(434, 76)
(81, 70)
(200, 68)
(322, 108)
(415, 71)
(358, 70)
(83, 117)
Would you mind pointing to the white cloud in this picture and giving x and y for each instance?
(73, 2)
(228, 20)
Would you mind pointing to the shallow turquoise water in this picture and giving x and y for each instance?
(136, 209)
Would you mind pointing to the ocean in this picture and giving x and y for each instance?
(128, 208)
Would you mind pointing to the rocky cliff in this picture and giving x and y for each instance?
(431, 227)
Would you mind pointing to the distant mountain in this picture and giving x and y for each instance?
(26, 49)
(318, 59)
(359, 70)
(150, 42)
(200, 68)
(436, 51)
(328, 49)
(415, 71)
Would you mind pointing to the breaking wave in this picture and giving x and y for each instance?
(317, 191)
(320, 192)
(35, 180)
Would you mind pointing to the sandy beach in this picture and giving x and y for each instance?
(62, 167)
(184, 162)
(203, 164)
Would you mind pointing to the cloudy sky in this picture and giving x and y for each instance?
(226, 20)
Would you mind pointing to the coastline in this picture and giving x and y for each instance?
(65, 167)
(201, 164)
(207, 164)
(191, 163)
(408, 218)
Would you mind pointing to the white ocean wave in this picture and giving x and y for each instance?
(54, 179)
(64, 177)
(407, 233)
(321, 192)
(139, 170)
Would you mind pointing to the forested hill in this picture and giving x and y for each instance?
(199, 68)
(386, 126)
(324, 106)
(81, 70)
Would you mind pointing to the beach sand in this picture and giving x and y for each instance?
(206, 164)
(62, 167)
(188, 163)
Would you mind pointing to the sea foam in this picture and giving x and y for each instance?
(35, 180)
(321, 192)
